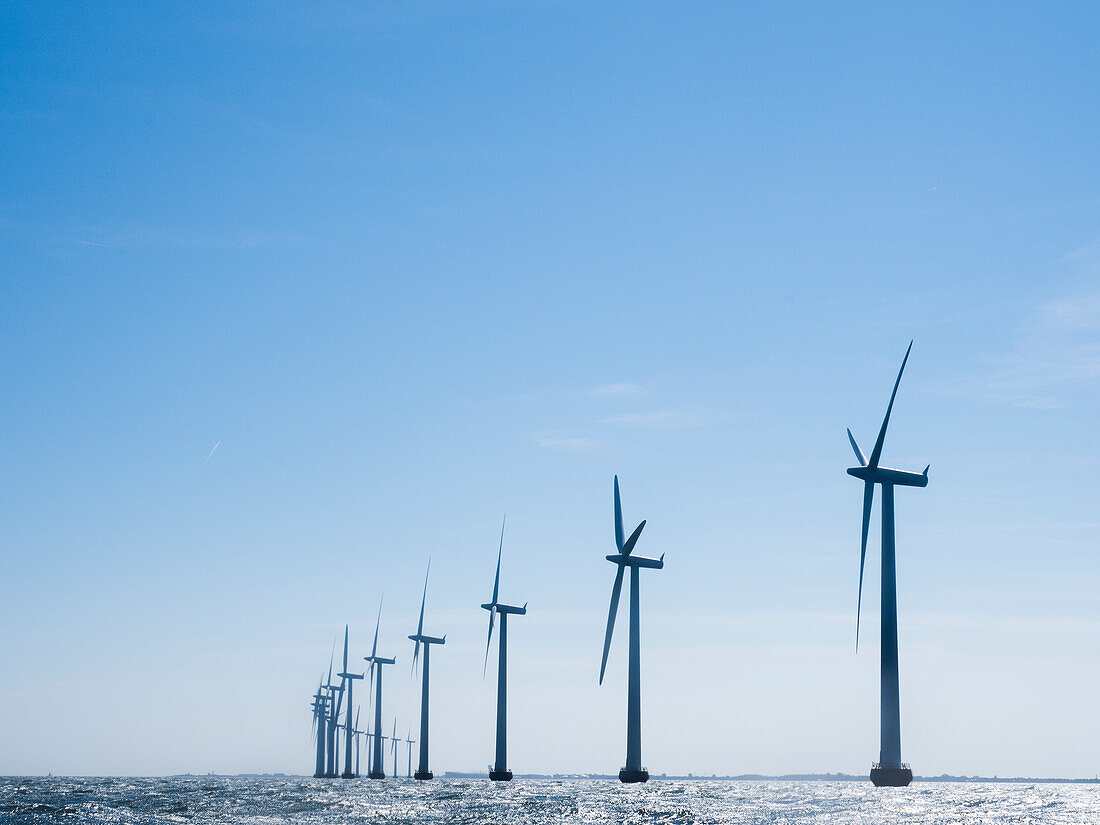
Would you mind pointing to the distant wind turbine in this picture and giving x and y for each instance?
(349, 727)
(358, 734)
(320, 712)
(409, 742)
(335, 694)
(633, 770)
(500, 772)
(889, 770)
(393, 745)
(377, 768)
(423, 772)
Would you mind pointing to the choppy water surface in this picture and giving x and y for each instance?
(218, 800)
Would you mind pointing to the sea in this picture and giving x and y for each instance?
(301, 800)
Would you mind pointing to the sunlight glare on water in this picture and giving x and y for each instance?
(529, 802)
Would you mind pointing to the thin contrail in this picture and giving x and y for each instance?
(93, 243)
(212, 451)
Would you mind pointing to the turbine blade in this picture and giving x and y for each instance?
(630, 542)
(858, 451)
(345, 670)
(615, 591)
(618, 518)
(877, 451)
(488, 641)
(378, 621)
(496, 581)
(868, 496)
(331, 654)
(423, 598)
(416, 655)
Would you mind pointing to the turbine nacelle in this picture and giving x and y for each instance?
(428, 640)
(506, 608)
(887, 475)
(636, 561)
(379, 660)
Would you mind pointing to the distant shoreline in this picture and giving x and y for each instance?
(746, 777)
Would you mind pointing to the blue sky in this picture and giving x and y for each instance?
(415, 265)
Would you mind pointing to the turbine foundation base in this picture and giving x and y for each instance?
(346, 775)
(318, 776)
(891, 776)
(500, 776)
(423, 775)
(376, 775)
(627, 775)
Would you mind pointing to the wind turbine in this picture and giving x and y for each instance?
(335, 703)
(357, 734)
(367, 738)
(633, 771)
(422, 771)
(335, 695)
(409, 751)
(377, 768)
(889, 770)
(393, 744)
(320, 712)
(384, 739)
(349, 679)
(499, 772)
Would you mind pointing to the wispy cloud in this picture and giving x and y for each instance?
(655, 420)
(1057, 354)
(573, 445)
(1087, 254)
(611, 390)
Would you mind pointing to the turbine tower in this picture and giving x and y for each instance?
(377, 768)
(393, 743)
(889, 770)
(320, 713)
(409, 742)
(335, 695)
(357, 734)
(349, 727)
(422, 771)
(633, 771)
(500, 772)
